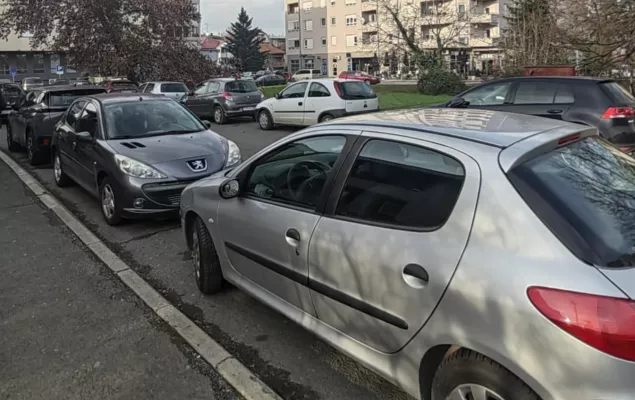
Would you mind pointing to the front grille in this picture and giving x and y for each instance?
(165, 193)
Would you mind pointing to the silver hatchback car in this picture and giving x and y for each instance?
(461, 254)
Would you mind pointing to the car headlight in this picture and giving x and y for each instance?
(233, 154)
(137, 169)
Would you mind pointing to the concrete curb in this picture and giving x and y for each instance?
(246, 383)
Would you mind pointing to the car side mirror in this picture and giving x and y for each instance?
(84, 137)
(207, 124)
(277, 96)
(229, 189)
(15, 106)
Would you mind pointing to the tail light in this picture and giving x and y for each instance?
(227, 96)
(338, 89)
(605, 323)
(618, 112)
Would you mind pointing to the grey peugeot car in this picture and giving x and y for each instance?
(461, 254)
(224, 98)
(136, 152)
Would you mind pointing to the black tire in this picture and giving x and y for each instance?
(218, 115)
(35, 155)
(61, 179)
(326, 118)
(113, 218)
(465, 367)
(11, 145)
(265, 120)
(208, 272)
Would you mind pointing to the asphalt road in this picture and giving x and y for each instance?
(289, 359)
(70, 330)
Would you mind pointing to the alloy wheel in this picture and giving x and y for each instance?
(263, 119)
(218, 115)
(108, 201)
(473, 391)
(57, 168)
(29, 146)
(196, 255)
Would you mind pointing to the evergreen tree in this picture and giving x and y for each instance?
(243, 42)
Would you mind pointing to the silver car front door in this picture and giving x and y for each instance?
(266, 231)
(387, 246)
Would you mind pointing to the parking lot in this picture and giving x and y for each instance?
(290, 360)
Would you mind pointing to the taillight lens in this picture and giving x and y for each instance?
(605, 323)
(338, 89)
(227, 96)
(618, 112)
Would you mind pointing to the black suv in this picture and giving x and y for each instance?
(601, 103)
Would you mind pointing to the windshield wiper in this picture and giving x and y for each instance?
(173, 132)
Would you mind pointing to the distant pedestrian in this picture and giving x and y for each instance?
(3, 105)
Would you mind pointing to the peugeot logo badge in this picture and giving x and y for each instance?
(197, 165)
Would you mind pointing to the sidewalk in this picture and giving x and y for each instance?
(71, 330)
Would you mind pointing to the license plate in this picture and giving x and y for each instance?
(249, 108)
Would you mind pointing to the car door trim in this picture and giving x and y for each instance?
(320, 288)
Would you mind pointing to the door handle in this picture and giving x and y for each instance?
(415, 275)
(554, 111)
(293, 237)
(300, 103)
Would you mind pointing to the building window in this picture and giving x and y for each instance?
(332, 3)
(294, 44)
(351, 40)
(323, 21)
(308, 44)
(293, 25)
(308, 25)
(334, 69)
(20, 61)
(486, 10)
(488, 33)
(351, 2)
(351, 20)
(332, 20)
(295, 65)
(324, 41)
(463, 41)
(333, 40)
(4, 64)
(307, 5)
(38, 63)
(461, 11)
(308, 63)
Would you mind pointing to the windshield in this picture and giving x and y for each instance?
(357, 90)
(241, 87)
(65, 98)
(585, 192)
(173, 88)
(137, 119)
(33, 81)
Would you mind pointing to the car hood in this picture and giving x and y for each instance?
(266, 103)
(160, 149)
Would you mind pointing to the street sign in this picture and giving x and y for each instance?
(59, 70)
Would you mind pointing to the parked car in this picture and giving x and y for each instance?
(360, 76)
(32, 121)
(119, 86)
(31, 83)
(142, 151)
(307, 74)
(173, 90)
(12, 94)
(309, 102)
(392, 235)
(597, 102)
(271, 80)
(224, 98)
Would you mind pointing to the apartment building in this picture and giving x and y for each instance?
(339, 35)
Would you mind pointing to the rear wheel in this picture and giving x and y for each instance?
(466, 375)
(264, 120)
(61, 179)
(11, 145)
(219, 115)
(35, 155)
(326, 118)
(207, 269)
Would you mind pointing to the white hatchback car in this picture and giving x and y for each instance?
(174, 90)
(309, 102)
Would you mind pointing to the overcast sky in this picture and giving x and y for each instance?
(217, 15)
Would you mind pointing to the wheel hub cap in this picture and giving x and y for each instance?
(264, 120)
(57, 168)
(108, 201)
(473, 391)
(217, 115)
(196, 257)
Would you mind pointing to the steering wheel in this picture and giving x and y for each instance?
(303, 168)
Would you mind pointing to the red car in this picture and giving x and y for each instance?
(119, 86)
(360, 76)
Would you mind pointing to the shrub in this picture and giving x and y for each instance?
(436, 81)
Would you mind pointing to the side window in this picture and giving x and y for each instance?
(149, 88)
(489, 95)
(296, 172)
(88, 120)
(535, 92)
(318, 90)
(73, 114)
(295, 91)
(564, 95)
(401, 185)
(214, 87)
(201, 88)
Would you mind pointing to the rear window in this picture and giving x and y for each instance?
(173, 88)
(356, 90)
(241, 87)
(124, 85)
(33, 81)
(585, 193)
(617, 93)
(64, 99)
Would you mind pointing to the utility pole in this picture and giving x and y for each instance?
(300, 33)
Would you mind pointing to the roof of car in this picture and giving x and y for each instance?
(569, 78)
(494, 128)
(162, 82)
(54, 88)
(109, 98)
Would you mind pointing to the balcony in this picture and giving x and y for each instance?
(370, 39)
(369, 5)
(370, 27)
(485, 18)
